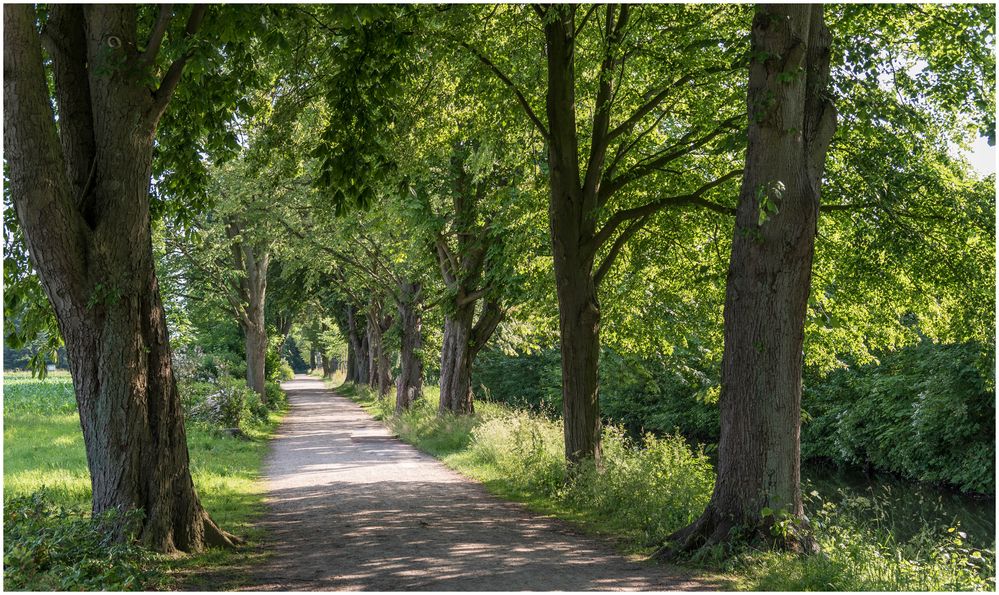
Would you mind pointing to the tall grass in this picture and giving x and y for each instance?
(858, 553)
(651, 487)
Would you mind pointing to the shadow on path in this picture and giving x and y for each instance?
(351, 508)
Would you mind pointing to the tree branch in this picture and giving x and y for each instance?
(656, 161)
(162, 95)
(582, 23)
(156, 37)
(847, 207)
(602, 110)
(472, 297)
(693, 198)
(657, 99)
(490, 317)
(509, 83)
(623, 237)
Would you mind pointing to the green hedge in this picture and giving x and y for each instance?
(925, 412)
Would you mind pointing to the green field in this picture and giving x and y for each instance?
(43, 448)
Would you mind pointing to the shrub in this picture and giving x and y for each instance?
(276, 398)
(927, 412)
(276, 368)
(225, 403)
(50, 548)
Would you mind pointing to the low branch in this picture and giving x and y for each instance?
(471, 297)
(490, 317)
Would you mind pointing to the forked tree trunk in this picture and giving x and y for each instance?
(409, 387)
(462, 342)
(89, 239)
(462, 270)
(790, 125)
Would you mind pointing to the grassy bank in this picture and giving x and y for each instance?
(649, 489)
(43, 449)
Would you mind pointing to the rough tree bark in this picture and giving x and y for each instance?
(82, 199)
(462, 342)
(409, 386)
(463, 269)
(572, 228)
(252, 261)
(325, 360)
(791, 121)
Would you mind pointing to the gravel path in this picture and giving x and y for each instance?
(351, 508)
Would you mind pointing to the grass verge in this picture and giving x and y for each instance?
(43, 449)
(649, 488)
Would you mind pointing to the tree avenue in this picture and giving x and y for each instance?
(678, 218)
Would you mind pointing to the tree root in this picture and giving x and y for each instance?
(217, 537)
(714, 528)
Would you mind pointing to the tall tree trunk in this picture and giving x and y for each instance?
(462, 342)
(351, 360)
(791, 122)
(379, 372)
(256, 356)
(456, 362)
(573, 226)
(357, 368)
(253, 261)
(89, 239)
(410, 383)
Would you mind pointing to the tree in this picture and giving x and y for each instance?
(81, 192)
(228, 248)
(791, 122)
(462, 270)
(586, 171)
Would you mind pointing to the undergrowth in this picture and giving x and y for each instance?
(649, 488)
(47, 495)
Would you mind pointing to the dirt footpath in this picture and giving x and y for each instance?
(351, 508)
